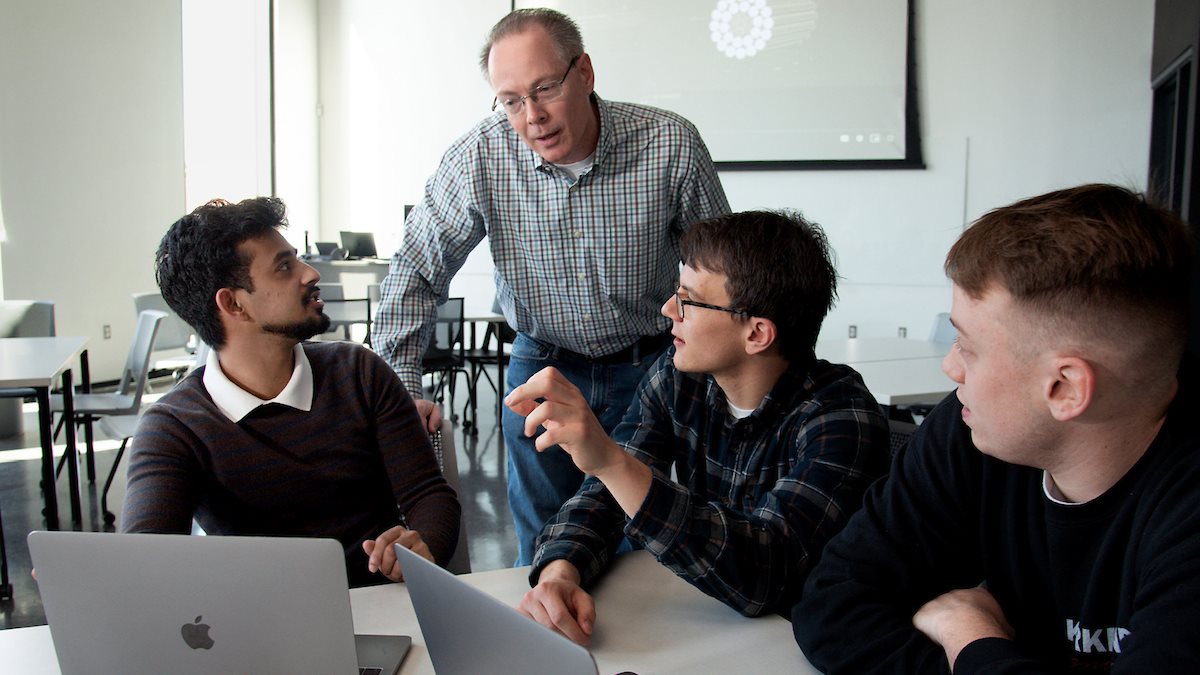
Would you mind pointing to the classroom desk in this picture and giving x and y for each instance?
(648, 621)
(906, 381)
(36, 363)
(863, 350)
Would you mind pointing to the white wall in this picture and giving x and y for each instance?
(297, 110)
(226, 97)
(91, 158)
(1044, 93)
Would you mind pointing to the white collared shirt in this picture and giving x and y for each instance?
(235, 402)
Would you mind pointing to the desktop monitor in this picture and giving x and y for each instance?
(359, 244)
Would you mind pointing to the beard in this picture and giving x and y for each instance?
(301, 330)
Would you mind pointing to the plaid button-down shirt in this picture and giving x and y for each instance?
(583, 264)
(757, 498)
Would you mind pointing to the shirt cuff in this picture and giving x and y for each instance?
(977, 656)
(410, 377)
(661, 515)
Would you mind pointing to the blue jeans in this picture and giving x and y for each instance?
(539, 482)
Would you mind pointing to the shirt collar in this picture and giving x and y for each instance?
(235, 403)
(603, 143)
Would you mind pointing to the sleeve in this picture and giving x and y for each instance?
(425, 500)
(164, 476)
(589, 527)
(439, 234)
(701, 195)
(754, 557)
(901, 549)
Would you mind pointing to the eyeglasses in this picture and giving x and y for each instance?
(543, 93)
(680, 303)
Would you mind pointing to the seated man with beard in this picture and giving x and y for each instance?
(275, 435)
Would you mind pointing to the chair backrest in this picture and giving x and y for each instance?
(943, 331)
(26, 318)
(899, 432)
(174, 332)
(443, 448)
(137, 363)
(447, 335)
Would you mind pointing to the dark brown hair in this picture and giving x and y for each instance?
(777, 266)
(1087, 256)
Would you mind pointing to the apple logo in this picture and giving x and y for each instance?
(196, 634)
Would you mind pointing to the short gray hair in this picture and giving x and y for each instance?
(564, 33)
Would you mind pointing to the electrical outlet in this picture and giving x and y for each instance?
(853, 330)
(903, 331)
(107, 331)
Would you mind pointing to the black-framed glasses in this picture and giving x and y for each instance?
(680, 303)
(543, 93)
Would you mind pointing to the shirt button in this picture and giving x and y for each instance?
(578, 234)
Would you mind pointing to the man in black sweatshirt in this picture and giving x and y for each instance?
(1045, 518)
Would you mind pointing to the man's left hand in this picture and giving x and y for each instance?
(960, 617)
(383, 558)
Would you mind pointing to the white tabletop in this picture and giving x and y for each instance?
(906, 380)
(861, 350)
(37, 361)
(647, 621)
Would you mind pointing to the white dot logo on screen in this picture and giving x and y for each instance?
(741, 28)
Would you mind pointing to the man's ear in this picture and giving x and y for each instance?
(228, 305)
(760, 335)
(1070, 388)
(584, 64)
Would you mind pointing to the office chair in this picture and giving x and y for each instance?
(124, 427)
(173, 334)
(22, 318)
(445, 356)
(478, 358)
(899, 433)
(443, 448)
(126, 400)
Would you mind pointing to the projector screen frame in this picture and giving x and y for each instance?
(913, 156)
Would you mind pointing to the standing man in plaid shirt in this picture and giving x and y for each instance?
(582, 201)
(772, 447)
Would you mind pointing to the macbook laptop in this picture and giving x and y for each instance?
(161, 603)
(359, 244)
(326, 247)
(468, 631)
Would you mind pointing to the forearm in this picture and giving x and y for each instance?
(627, 479)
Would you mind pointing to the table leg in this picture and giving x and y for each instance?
(85, 386)
(49, 485)
(72, 452)
(500, 386)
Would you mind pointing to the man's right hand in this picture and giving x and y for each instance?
(560, 603)
(431, 414)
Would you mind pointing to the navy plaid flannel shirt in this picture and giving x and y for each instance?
(757, 498)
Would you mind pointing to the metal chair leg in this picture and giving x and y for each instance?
(109, 516)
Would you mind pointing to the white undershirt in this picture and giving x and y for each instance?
(739, 413)
(1052, 492)
(235, 402)
(576, 169)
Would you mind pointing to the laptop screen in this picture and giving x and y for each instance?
(359, 244)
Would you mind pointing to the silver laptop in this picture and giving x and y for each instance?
(162, 603)
(469, 632)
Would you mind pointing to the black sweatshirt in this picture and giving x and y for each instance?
(1112, 585)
